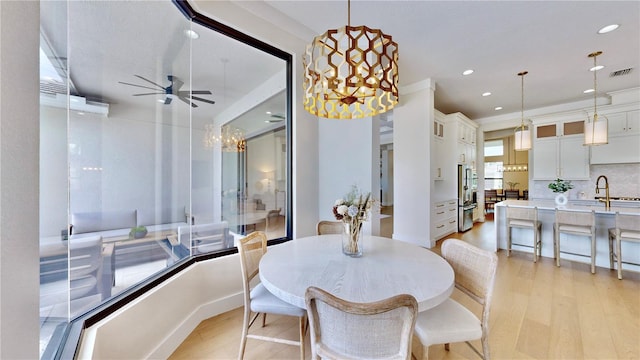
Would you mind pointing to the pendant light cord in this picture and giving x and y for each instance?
(522, 74)
(595, 92)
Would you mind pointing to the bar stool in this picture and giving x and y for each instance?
(627, 229)
(574, 222)
(525, 218)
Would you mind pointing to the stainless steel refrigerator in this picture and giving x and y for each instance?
(466, 200)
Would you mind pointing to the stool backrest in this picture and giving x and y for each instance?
(522, 213)
(628, 222)
(579, 218)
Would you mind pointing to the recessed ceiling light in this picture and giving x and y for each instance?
(588, 91)
(498, 108)
(608, 28)
(268, 112)
(467, 72)
(486, 94)
(596, 68)
(191, 34)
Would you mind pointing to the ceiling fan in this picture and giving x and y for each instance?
(172, 90)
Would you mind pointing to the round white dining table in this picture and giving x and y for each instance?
(388, 267)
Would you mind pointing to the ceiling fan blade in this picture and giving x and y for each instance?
(167, 100)
(155, 93)
(204, 100)
(142, 86)
(193, 105)
(149, 81)
(200, 92)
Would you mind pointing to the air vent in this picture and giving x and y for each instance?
(620, 72)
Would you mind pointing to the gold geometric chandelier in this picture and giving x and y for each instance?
(522, 134)
(231, 139)
(350, 72)
(596, 132)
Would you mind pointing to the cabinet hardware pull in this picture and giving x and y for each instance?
(440, 227)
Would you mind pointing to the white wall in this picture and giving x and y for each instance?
(413, 124)
(19, 266)
(165, 316)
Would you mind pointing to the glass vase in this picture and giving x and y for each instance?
(352, 239)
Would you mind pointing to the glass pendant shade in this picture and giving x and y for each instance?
(523, 139)
(522, 133)
(350, 73)
(596, 132)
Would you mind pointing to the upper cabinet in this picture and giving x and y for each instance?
(558, 151)
(466, 136)
(624, 140)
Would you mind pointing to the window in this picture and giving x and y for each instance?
(130, 185)
(493, 148)
(493, 175)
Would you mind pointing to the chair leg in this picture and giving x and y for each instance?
(303, 332)
(593, 253)
(508, 241)
(264, 319)
(535, 244)
(425, 352)
(619, 256)
(245, 331)
(556, 246)
(611, 240)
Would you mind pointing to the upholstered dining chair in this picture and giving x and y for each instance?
(259, 300)
(490, 199)
(512, 194)
(329, 227)
(627, 229)
(450, 322)
(342, 329)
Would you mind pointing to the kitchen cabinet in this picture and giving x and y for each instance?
(439, 159)
(624, 140)
(624, 123)
(466, 137)
(444, 218)
(558, 152)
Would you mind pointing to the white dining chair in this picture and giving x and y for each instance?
(627, 229)
(341, 329)
(451, 322)
(259, 300)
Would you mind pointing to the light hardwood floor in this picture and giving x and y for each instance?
(539, 311)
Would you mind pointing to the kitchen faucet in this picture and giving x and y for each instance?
(607, 200)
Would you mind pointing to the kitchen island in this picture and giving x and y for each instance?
(604, 218)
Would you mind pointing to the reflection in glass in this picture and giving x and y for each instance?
(128, 187)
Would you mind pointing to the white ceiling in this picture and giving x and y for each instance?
(110, 41)
(497, 39)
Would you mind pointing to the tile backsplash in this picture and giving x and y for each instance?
(624, 181)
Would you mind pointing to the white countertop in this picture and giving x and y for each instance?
(387, 268)
(551, 205)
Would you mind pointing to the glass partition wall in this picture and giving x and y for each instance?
(161, 139)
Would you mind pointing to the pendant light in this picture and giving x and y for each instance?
(522, 134)
(596, 132)
(350, 72)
